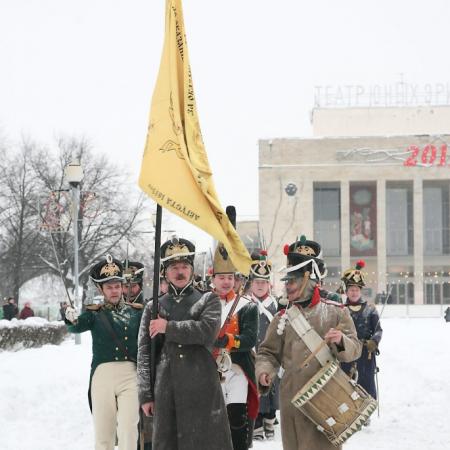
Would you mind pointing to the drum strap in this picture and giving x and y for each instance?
(309, 335)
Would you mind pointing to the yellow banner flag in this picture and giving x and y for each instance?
(175, 169)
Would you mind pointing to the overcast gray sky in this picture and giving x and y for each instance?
(88, 67)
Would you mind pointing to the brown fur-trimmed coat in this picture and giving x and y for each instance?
(288, 351)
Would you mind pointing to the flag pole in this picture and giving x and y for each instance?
(156, 271)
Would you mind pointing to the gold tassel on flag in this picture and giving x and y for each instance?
(175, 170)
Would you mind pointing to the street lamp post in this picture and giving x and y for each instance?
(74, 176)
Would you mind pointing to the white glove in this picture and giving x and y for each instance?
(71, 314)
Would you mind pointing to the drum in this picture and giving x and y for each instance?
(335, 403)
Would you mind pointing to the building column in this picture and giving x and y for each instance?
(305, 210)
(418, 240)
(345, 225)
(381, 236)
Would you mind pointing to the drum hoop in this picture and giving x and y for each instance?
(357, 423)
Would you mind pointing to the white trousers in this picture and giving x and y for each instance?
(235, 385)
(115, 405)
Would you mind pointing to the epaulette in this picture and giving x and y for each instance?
(331, 302)
(135, 305)
(94, 307)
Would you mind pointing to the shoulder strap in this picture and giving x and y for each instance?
(309, 336)
(229, 315)
(263, 310)
(105, 320)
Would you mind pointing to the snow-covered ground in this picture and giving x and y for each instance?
(43, 402)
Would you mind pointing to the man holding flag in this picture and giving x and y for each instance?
(187, 403)
(175, 173)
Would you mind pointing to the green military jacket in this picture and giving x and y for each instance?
(125, 319)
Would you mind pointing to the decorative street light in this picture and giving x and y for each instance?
(73, 174)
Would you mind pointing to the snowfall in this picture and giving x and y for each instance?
(43, 401)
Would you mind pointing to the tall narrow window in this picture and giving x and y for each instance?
(399, 219)
(436, 218)
(327, 218)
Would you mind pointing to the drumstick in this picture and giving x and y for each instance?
(317, 350)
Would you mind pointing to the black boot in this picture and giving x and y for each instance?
(237, 416)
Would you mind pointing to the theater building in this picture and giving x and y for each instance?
(372, 183)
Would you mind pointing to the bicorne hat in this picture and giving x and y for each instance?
(222, 261)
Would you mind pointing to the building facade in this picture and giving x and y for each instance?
(365, 194)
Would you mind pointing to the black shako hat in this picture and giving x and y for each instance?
(261, 267)
(177, 250)
(304, 255)
(107, 269)
(354, 276)
(133, 271)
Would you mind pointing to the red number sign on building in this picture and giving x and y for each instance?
(427, 156)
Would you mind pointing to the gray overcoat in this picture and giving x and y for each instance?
(190, 412)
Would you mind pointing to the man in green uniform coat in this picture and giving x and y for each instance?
(134, 280)
(114, 326)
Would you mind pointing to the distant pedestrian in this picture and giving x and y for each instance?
(10, 310)
(26, 311)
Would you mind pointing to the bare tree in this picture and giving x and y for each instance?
(20, 243)
(111, 210)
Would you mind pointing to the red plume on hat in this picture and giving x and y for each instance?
(360, 264)
(286, 249)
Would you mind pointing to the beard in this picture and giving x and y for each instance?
(295, 294)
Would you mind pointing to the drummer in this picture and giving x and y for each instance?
(284, 347)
